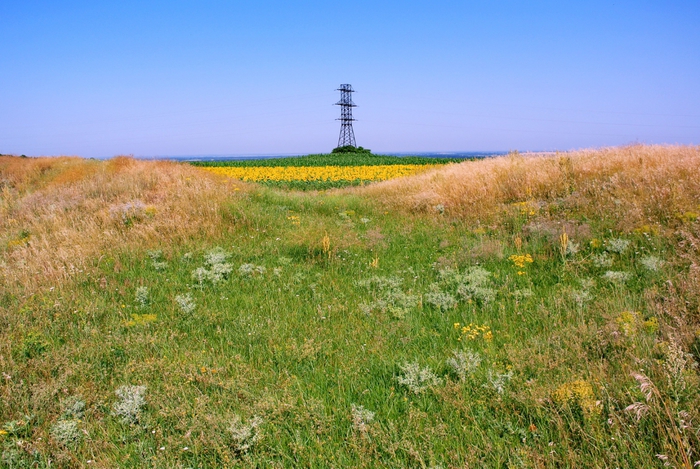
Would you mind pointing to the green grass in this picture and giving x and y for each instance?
(341, 159)
(299, 346)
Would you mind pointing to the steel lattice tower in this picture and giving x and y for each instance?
(347, 135)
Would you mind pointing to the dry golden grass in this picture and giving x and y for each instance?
(58, 216)
(635, 185)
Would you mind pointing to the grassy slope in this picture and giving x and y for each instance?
(299, 346)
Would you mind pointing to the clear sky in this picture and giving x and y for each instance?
(97, 79)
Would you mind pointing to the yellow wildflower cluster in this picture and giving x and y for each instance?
(141, 319)
(578, 393)
(319, 173)
(294, 219)
(687, 217)
(631, 322)
(527, 207)
(473, 331)
(647, 229)
(21, 240)
(520, 261)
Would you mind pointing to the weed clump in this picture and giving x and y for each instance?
(34, 345)
(215, 269)
(579, 394)
(74, 408)
(617, 245)
(157, 260)
(142, 296)
(441, 300)
(464, 363)
(417, 379)
(132, 400)
(361, 418)
(497, 381)
(245, 435)
(251, 270)
(388, 296)
(185, 303)
(66, 432)
(617, 276)
(651, 263)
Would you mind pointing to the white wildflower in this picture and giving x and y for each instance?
(74, 408)
(617, 276)
(602, 260)
(617, 245)
(131, 402)
(417, 379)
(498, 381)
(572, 249)
(361, 417)
(441, 300)
(216, 256)
(142, 296)
(251, 270)
(186, 303)
(651, 263)
(200, 275)
(464, 363)
(219, 272)
(245, 435)
(66, 432)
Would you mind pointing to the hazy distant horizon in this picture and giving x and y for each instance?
(446, 154)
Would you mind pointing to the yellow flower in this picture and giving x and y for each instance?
(141, 319)
(319, 173)
(521, 260)
(577, 392)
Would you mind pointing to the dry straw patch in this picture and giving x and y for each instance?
(58, 215)
(636, 184)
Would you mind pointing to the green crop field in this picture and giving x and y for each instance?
(512, 312)
(341, 159)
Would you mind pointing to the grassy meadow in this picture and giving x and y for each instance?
(534, 312)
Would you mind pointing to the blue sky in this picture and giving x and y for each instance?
(97, 79)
